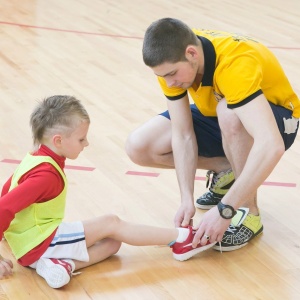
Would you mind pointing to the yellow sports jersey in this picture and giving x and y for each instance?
(238, 68)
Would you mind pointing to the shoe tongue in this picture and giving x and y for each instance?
(241, 214)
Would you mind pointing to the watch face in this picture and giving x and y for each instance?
(227, 212)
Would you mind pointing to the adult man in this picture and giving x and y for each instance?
(229, 77)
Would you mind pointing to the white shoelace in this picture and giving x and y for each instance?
(231, 229)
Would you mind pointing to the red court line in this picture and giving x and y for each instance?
(142, 174)
(148, 174)
(71, 31)
(284, 48)
(285, 184)
(80, 168)
(103, 34)
(268, 183)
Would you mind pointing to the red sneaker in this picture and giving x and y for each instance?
(56, 272)
(183, 251)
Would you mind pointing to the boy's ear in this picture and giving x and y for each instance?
(57, 140)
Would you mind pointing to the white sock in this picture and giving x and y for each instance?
(183, 233)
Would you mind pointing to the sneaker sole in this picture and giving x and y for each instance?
(232, 248)
(55, 276)
(188, 255)
(204, 206)
(228, 249)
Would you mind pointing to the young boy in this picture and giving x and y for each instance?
(32, 205)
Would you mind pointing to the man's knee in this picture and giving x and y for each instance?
(147, 144)
(135, 147)
(229, 122)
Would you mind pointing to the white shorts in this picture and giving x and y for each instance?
(68, 243)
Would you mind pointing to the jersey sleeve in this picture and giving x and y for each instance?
(173, 93)
(240, 81)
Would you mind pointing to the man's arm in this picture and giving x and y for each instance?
(185, 152)
(267, 148)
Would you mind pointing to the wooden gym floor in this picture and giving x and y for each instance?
(92, 50)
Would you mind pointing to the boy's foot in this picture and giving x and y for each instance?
(220, 184)
(183, 251)
(243, 228)
(56, 272)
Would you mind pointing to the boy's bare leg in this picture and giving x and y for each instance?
(105, 234)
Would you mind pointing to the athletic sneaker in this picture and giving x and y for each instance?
(243, 228)
(56, 272)
(220, 184)
(183, 251)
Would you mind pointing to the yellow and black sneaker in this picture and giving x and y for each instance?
(219, 186)
(243, 228)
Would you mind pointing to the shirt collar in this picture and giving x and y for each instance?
(209, 61)
(44, 150)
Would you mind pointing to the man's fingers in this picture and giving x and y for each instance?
(197, 238)
(187, 221)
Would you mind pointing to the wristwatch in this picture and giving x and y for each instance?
(226, 211)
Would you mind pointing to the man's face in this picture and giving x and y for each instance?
(181, 74)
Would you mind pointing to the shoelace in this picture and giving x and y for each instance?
(231, 229)
(213, 180)
(75, 273)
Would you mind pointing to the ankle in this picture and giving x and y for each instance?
(254, 211)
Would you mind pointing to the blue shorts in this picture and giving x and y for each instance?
(281, 113)
(208, 133)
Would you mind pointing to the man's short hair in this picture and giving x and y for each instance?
(166, 40)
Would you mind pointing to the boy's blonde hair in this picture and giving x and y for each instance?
(56, 115)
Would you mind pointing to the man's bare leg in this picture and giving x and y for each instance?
(150, 145)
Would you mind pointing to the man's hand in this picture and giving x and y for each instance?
(184, 215)
(6, 267)
(212, 225)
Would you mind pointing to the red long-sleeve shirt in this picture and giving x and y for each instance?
(38, 185)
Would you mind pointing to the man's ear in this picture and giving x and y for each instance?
(56, 140)
(191, 52)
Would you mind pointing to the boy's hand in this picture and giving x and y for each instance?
(6, 267)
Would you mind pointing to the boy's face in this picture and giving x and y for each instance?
(73, 144)
(181, 74)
